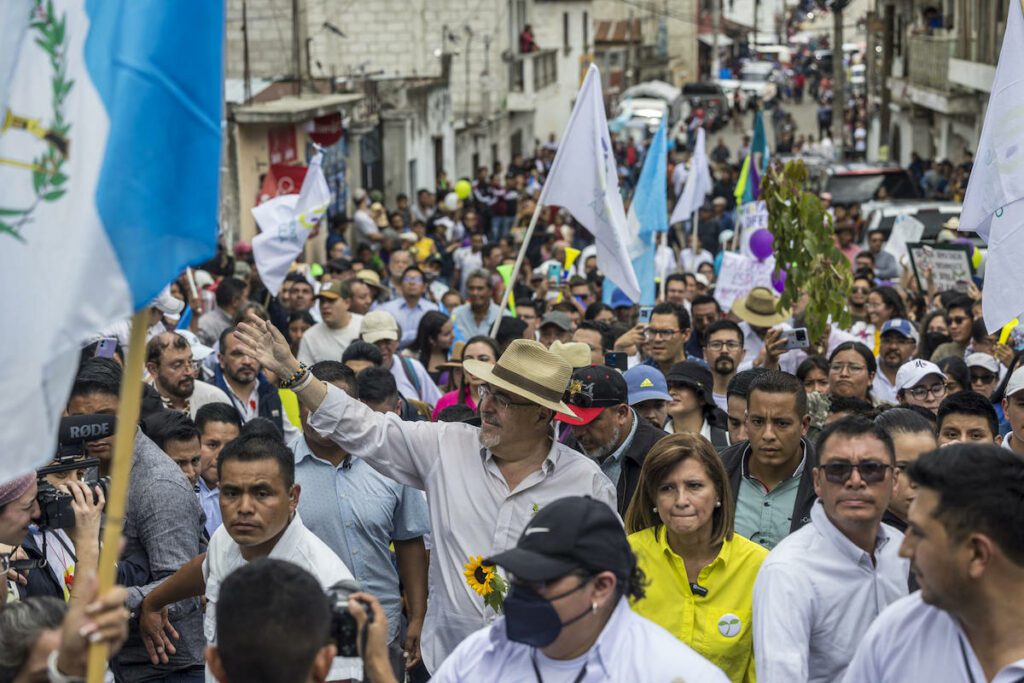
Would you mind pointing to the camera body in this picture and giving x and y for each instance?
(55, 506)
(344, 631)
(74, 434)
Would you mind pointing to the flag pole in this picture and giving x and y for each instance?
(120, 469)
(693, 238)
(519, 264)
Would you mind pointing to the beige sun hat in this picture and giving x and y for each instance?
(529, 370)
(576, 354)
(759, 308)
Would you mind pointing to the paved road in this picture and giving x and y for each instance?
(804, 114)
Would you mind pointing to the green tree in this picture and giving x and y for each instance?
(804, 245)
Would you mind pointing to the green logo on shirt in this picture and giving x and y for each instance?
(730, 625)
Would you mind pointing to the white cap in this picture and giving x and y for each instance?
(912, 372)
(1016, 382)
(200, 351)
(983, 360)
(168, 305)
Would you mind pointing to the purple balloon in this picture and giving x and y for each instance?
(779, 283)
(761, 244)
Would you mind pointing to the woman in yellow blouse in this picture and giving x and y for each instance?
(701, 574)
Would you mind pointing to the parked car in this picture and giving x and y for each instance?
(756, 80)
(935, 215)
(861, 183)
(710, 97)
(731, 87)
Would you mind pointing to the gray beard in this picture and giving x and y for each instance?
(607, 448)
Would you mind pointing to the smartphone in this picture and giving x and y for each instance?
(107, 347)
(616, 360)
(796, 338)
(554, 272)
(645, 315)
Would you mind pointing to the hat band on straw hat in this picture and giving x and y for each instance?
(546, 393)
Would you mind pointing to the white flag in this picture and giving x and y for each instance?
(285, 224)
(994, 203)
(584, 180)
(698, 183)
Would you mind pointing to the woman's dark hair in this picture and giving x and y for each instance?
(891, 299)
(430, 326)
(478, 339)
(865, 353)
(810, 363)
(304, 316)
(170, 425)
(595, 309)
(955, 369)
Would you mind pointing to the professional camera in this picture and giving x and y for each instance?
(75, 432)
(344, 631)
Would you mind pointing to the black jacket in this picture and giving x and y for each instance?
(633, 459)
(733, 458)
(269, 400)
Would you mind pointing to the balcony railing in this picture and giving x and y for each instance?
(929, 61)
(532, 71)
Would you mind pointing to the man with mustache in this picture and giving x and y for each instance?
(821, 588)
(723, 351)
(170, 365)
(898, 343)
(249, 391)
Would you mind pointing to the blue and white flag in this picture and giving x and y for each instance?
(994, 202)
(110, 142)
(647, 215)
(584, 179)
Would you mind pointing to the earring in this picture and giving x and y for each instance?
(718, 504)
(654, 509)
(593, 606)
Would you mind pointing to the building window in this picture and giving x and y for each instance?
(565, 32)
(516, 143)
(586, 31)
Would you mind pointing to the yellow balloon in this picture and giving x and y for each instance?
(463, 189)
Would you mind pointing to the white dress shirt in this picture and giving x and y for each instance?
(815, 597)
(914, 641)
(472, 511)
(297, 545)
(882, 389)
(630, 648)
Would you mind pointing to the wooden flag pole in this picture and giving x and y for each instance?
(693, 241)
(517, 267)
(120, 469)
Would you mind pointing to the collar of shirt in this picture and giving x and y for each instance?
(705, 429)
(205, 492)
(614, 457)
(288, 544)
(745, 473)
(302, 451)
(549, 464)
(844, 545)
(166, 400)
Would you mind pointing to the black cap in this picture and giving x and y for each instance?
(591, 390)
(572, 533)
(694, 375)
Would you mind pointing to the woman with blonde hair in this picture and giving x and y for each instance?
(701, 573)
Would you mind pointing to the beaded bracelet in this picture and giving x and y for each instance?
(295, 377)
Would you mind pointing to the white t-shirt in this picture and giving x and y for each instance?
(322, 343)
(297, 545)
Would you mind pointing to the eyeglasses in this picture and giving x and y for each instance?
(983, 378)
(958, 320)
(921, 393)
(870, 471)
(500, 400)
(896, 340)
(653, 332)
(852, 368)
(718, 345)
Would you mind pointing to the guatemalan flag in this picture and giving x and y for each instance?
(110, 141)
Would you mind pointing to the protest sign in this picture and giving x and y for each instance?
(750, 217)
(950, 263)
(739, 274)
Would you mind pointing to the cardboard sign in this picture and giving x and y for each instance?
(740, 274)
(950, 263)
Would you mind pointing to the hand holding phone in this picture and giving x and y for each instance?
(645, 315)
(796, 338)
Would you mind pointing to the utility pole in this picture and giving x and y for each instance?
(246, 74)
(838, 81)
(887, 49)
(296, 47)
(716, 24)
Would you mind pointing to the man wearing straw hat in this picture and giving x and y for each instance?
(759, 318)
(490, 481)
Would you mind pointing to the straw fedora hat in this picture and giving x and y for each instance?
(575, 354)
(759, 308)
(529, 370)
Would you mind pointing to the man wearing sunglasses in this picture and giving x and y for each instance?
(819, 590)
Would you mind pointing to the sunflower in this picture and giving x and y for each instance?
(479, 575)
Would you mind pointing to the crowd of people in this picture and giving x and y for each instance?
(381, 473)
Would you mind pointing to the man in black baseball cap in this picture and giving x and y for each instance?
(571, 576)
(692, 408)
(607, 429)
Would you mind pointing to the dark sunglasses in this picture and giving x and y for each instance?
(983, 377)
(870, 471)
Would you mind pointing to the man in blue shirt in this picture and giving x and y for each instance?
(359, 512)
(409, 308)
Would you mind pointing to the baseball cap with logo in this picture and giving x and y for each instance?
(902, 327)
(378, 325)
(591, 390)
(330, 290)
(912, 372)
(569, 534)
(983, 360)
(646, 383)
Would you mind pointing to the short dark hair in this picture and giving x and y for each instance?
(739, 385)
(778, 382)
(703, 299)
(720, 325)
(968, 402)
(668, 308)
(411, 269)
(170, 425)
(980, 488)
(865, 254)
(979, 332)
(97, 376)
(222, 340)
(250, 447)
(509, 329)
(891, 298)
(904, 421)
(607, 338)
(262, 426)
(361, 350)
(812, 362)
(377, 385)
(155, 347)
(333, 371)
(854, 426)
(675, 277)
(862, 350)
(304, 316)
(217, 412)
(852, 405)
(924, 413)
(229, 289)
(285, 600)
(964, 303)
